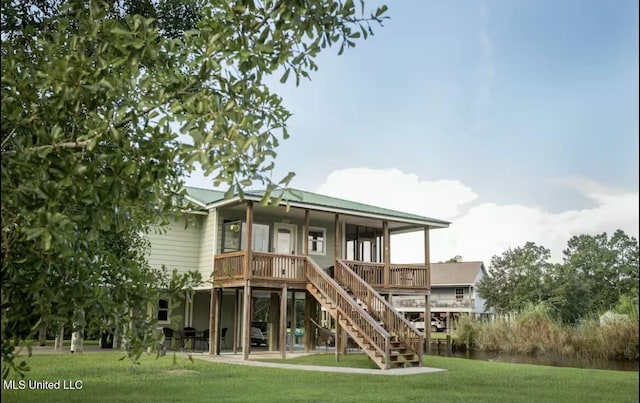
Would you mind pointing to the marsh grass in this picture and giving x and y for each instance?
(535, 331)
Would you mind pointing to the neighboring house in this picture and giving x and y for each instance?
(453, 292)
(322, 252)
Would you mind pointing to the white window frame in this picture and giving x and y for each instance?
(324, 240)
(168, 309)
(461, 296)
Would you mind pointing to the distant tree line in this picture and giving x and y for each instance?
(598, 272)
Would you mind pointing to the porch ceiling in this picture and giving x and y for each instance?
(297, 213)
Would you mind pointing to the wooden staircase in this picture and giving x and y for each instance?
(370, 332)
(407, 341)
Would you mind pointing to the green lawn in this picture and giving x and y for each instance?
(105, 378)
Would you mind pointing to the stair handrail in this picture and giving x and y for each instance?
(370, 329)
(393, 321)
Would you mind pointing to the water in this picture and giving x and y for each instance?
(550, 359)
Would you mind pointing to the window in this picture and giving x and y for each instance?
(259, 237)
(317, 241)
(231, 236)
(163, 310)
(234, 234)
(459, 294)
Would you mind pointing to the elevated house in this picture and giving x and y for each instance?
(309, 253)
(453, 292)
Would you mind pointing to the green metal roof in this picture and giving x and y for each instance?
(311, 199)
(204, 196)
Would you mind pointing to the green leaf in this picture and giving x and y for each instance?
(285, 76)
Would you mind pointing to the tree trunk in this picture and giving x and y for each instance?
(57, 345)
(42, 335)
(77, 336)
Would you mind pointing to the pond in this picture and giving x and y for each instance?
(551, 359)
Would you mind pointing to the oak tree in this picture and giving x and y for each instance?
(106, 106)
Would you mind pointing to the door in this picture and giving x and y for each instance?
(284, 244)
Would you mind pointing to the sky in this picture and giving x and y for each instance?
(515, 120)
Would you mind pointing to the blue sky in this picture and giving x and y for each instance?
(490, 107)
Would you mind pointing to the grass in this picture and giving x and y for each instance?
(535, 330)
(66, 343)
(105, 378)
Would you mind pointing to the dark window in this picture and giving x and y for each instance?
(317, 241)
(163, 310)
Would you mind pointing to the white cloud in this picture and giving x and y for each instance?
(483, 229)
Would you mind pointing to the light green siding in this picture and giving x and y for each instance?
(177, 247)
(207, 247)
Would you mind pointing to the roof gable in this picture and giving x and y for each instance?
(461, 273)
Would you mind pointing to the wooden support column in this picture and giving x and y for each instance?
(427, 256)
(386, 256)
(294, 325)
(427, 323)
(338, 340)
(308, 311)
(214, 319)
(236, 322)
(336, 246)
(246, 320)
(305, 236)
(248, 258)
(427, 298)
(283, 322)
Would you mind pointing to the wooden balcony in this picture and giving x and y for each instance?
(230, 269)
(398, 276)
(266, 269)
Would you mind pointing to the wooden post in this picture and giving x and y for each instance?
(338, 340)
(336, 246)
(427, 256)
(427, 297)
(214, 321)
(386, 255)
(294, 325)
(305, 236)
(236, 322)
(246, 320)
(283, 322)
(427, 324)
(248, 258)
(308, 311)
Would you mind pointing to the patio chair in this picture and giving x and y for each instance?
(203, 340)
(189, 334)
(168, 337)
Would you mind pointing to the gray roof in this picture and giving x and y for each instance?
(458, 273)
(207, 197)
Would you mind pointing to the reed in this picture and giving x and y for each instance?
(536, 331)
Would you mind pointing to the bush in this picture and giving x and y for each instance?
(535, 331)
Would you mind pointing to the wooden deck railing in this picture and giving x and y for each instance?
(229, 265)
(274, 266)
(375, 334)
(400, 275)
(409, 276)
(372, 273)
(380, 309)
